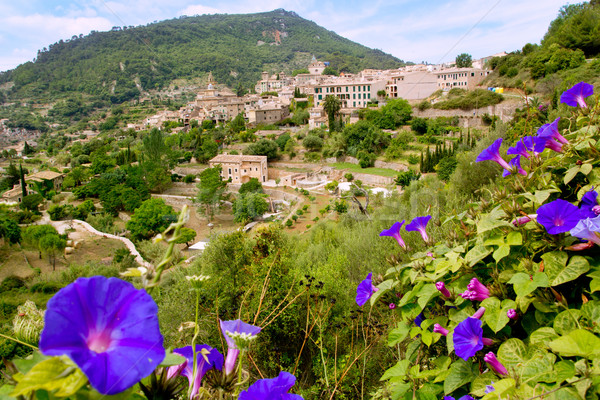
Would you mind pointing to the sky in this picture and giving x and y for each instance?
(413, 30)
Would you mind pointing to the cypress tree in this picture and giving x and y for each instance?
(22, 177)
(421, 164)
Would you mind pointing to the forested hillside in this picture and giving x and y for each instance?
(117, 65)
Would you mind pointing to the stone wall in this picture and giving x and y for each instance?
(472, 118)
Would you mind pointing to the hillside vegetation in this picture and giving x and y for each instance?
(117, 65)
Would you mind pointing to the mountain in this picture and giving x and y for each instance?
(117, 65)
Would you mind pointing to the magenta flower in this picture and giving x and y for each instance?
(492, 153)
(231, 329)
(468, 338)
(479, 313)
(108, 328)
(365, 290)
(546, 142)
(512, 314)
(419, 224)
(558, 216)
(476, 291)
(576, 95)
(465, 397)
(207, 358)
(515, 164)
(493, 362)
(271, 389)
(589, 205)
(588, 229)
(551, 130)
(394, 232)
(430, 254)
(440, 329)
(392, 306)
(442, 288)
(522, 220)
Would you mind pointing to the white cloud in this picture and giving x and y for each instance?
(49, 28)
(199, 9)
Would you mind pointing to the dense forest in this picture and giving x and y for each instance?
(117, 65)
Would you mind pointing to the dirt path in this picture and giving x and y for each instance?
(82, 226)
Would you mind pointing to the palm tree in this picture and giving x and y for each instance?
(332, 106)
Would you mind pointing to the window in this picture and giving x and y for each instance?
(353, 104)
(229, 171)
(346, 89)
(256, 169)
(354, 96)
(320, 97)
(244, 171)
(236, 170)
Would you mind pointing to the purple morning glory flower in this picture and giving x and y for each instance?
(492, 153)
(441, 286)
(108, 328)
(468, 338)
(576, 95)
(558, 216)
(476, 291)
(588, 229)
(419, 224)
(489, 388)
(515, 164)
(551, 130)
(496, 365)
(419, 320)
(589, 205)
(480, 312)
(206, 359)
(522, 147)
(465, 397)
(392, 306)
(271, 389)
(365, 290)
(512, 314)
(394, 232)
(546, 142)
(234, 328)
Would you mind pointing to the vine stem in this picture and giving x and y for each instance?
(195, 354)
(557, 389)
(18, 341)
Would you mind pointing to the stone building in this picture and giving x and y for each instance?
(241, 168)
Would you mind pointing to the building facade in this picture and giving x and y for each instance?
(462, 78)
(241, 168)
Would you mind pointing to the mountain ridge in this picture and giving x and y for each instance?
(117, 64)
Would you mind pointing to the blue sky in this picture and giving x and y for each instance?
(413, 30)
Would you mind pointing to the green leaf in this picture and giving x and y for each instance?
(595, 285)
(502, 390)
(564, 369)
(398, 334)
(426, 293)
(57, 374)
(172, 359)
(501, 252)
(24, 365)
(495, 312)
(495, 240)
(586, 169)
(400, 389)
(383, 287)
(570, 174)
(476, 254)
(478, 386)
(591, 312)
(579, 342)
(525, 284)
(488, 222)
(398, 370)
(512, 352)
(557, 270)
(514, 238)
(567, 321)
(460, 374)
(543, 336)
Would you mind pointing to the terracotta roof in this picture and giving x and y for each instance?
(48, 175)
(231, 158)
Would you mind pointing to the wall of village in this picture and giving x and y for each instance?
(472, 118)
